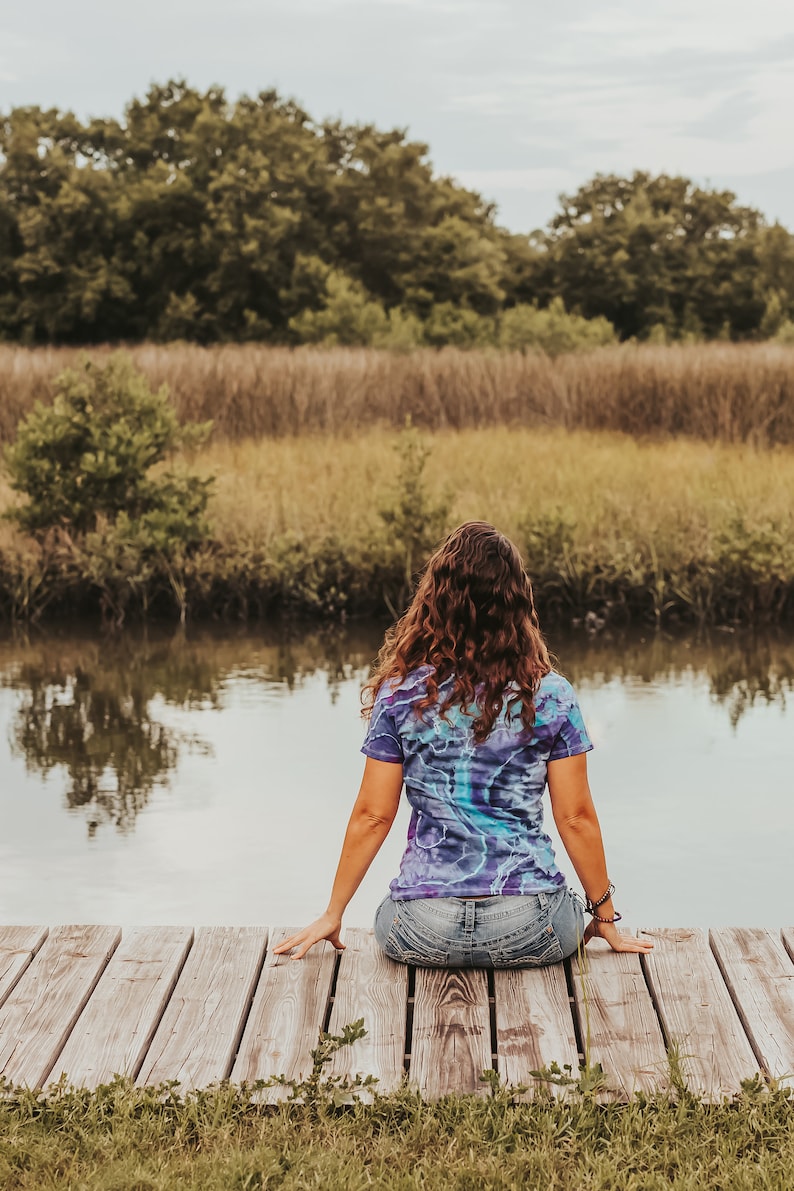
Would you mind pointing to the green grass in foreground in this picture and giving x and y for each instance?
(123, 1139)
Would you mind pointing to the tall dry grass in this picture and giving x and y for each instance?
(739, 393)
(612, 491)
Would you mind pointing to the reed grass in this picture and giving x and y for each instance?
(716, 391)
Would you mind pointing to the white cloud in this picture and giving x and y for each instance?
(517, 98)
(531, 180)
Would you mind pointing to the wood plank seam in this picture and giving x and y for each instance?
(245, 1016)
(760, 982)
(31, 939)
(122, 1015)
(707, 1045)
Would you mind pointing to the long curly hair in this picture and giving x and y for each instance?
(472, 618)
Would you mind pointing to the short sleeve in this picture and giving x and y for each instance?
(572, 737)
(382, 741)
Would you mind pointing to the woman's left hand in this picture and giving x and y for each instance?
(324, 927)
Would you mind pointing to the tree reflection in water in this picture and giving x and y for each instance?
(742, 669)
(94, 706)
(90, 707)
(97, 708)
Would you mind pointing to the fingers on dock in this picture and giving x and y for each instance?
(707, 1010)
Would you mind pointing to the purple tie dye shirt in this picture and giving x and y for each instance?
(477, 809)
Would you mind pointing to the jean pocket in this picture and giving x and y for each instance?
(410, 943)
(526, 948)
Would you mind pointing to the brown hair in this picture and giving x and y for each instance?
(472, 617)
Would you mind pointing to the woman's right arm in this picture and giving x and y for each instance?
(577, 823)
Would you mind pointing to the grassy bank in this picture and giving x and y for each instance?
(119, 1138)
(618, 528)
(718, 391)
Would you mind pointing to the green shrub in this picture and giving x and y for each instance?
(552, 330)
(89, 456)
(415, 520)
(785, 333)
(449, 325)
(90, 467)
(349, 317)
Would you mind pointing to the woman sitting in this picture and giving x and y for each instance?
(465, 708)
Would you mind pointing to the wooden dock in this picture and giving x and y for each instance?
(171, 1003)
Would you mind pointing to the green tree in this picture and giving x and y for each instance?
(198, 217)
(648, 252)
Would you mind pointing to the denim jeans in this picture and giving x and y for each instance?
(495, 932)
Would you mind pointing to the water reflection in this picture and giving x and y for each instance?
(741, 669)
(97, 709)
(89, 707)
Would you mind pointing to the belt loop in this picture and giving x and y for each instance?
(468, 922)
(542, 901)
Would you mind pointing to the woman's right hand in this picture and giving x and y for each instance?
(617, 941)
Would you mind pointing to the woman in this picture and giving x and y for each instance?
(465, 708)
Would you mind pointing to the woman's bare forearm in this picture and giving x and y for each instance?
(363, 838)
(582, 841)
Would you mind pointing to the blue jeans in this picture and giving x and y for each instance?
(524, 931)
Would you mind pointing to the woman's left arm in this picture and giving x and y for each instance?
(370, 821)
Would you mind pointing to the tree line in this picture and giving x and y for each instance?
(200, 218)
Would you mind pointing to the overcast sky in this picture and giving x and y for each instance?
(516, 98)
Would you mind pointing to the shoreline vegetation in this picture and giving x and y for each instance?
(331, 523)
(164, 1139)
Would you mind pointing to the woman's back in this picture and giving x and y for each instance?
(477, 814)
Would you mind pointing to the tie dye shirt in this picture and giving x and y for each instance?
(477, 812)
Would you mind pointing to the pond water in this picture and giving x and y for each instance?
(206, 778)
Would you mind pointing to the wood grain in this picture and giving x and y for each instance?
(618, 1023)
(197, 1038)
(287, 1013)
(18, 945)
(372, 986)
(787, 935)
(534, 1025)
(698, 1015)
(39, 1014)
(760, 977)
(451, 1044)
(116, 1027)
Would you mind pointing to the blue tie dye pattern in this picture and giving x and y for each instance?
(477, 811)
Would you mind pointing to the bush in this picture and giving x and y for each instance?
(349, 317)
(552, 330)
(89, 456)
(89, 465)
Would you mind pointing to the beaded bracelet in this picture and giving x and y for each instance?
(590, 907)
(597, 917)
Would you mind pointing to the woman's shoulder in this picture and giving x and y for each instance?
(397, 689)
(555, 688)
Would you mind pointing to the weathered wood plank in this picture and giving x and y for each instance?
(114, 1030)
(698, 1015)
(39, 1014)
(618, 1022)
(451, 1045)
(18, 945)
(372, 986)
(197, 1038)
(787, 935)
(287, 1013)
(760, 978)
(534, 1025)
